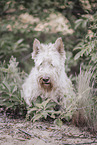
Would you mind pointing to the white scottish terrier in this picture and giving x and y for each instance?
(48, 78)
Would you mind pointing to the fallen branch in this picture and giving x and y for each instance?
(26, 133)
(73, 136)
(39, 137)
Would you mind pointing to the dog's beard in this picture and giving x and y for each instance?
(46, 85)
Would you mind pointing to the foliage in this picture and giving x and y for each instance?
(10, 88)
(48, 108)
(12, 48)
(88, 46)
(16, 38)
(42, 109)
(87, 79)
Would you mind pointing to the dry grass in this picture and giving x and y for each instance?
(86, 114)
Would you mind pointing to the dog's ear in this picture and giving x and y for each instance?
(36, 47)
(60, 46)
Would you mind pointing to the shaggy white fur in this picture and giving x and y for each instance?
(48, 77)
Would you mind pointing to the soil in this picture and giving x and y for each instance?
(23, 132)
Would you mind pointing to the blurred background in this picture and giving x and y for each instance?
(75, 21)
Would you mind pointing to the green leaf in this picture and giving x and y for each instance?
(45, 103)
(58, 122)
(32, 109)
(39, 99)
(77, 48)
(36, 117)
(50, 105)
(8, 104)
(57, 112)
(2, 102)
(79, 54)
(44, 114)
(68, 116)
(7, 87)
(52, 116)
(15, 98)
(13, 89)
(84, 24)
(78, 23)
(19, 41)
(39, 106)
(4, 95)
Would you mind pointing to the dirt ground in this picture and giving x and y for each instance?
(22, 132)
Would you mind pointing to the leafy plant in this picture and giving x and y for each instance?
(86, 81)
(49, 108)
(10, 87)
(82, 23)
(42, 109)
(9, 47)
(88, 47)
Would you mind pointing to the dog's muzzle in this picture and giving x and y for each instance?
(46, 83)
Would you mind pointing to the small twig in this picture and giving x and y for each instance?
(41, 138)
(33, 135)
(72, 136)
(55, 134)
(25, 132)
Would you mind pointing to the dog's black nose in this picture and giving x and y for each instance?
(46, 79)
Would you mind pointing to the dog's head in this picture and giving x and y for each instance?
(56, 47)
(49, 61)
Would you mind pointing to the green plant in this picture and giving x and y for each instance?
(42, 109)
(86, 81)
(48, 107)
(8, 47)
(88, 47)
(10, 86)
